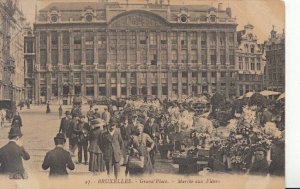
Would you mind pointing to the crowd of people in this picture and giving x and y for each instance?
(133, 136)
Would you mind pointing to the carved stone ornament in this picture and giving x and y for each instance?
(137, 20)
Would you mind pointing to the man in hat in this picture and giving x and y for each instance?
(96, 114)
(73, 142)
(65, 123)
(11, 155)
(106, 116)
(81, 130)
(90, 114)
(260, 165)
(58, 159)
(112, 144)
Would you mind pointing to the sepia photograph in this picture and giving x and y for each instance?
(142, 93)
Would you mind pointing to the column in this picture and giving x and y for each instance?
(118, 84)
(178, 48)
(108, 61)
(138, 83)
(37, 87)
(49, 47)
(37, 49)
(199, 82)
(189, 47)
(71, 47)
(83, 54)
(96, 55)
(59, 86)
(158, 50)
(83, 87)
(49, 85)
(179, 84)
(128, 47)
(227, 48)
(60, 48)
(159, 84)
(208, 63)
(228, 86)
(169, 43)
(170, 84)
(189, 82)
(199, 47)
(148, 47)
(218, 45)
(218, 80)
(149, 82)
(96, 89)
(128, 84)
(108, 87)
(138, 52)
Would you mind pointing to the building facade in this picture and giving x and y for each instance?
(29, 62)
(119, 50)
(250, 61)
(275, 61)
(11, 53)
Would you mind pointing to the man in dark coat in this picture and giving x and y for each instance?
(17, 120)
(58, 159)
(11, 156)
(96, 114)
(65, 123)
(81, 130)
(260, 165)
(126, 131)
(111, 145)
(73, 142)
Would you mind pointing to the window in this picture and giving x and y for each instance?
(222, 57)
(194, 57)
(252, 48)
(194, 74)
(54, 90)
(122, 38)
(154, 90)
(143, 39)
(77, 38)
(66, 38)
(212, 40)
(132, 38)
(164, 56)
(102, 91)
(54, 39)
(183, 36)
(123, 90)
(43, 91)
(231, 57)
(183, 56)
(113, 39)
(213, 56)
(223, 74)
(143, 56)
(174, 37)
(66, 56)
(43, 40)
(153, 56)
(258, 65)
(164, 90)
(43, 56)
(252, 64)
(203, 40)
(153, 38)
(174, 56)
(163, 37)
(204, 75)
(194, 38)
(89, 56)
(231, 38)
(77, 56)
(101, 39)
(90, 91)
(213, 74)
(222, 39)
(174, 74)
(89, 40)
(54, 56)
(113, 54)
(203, 56)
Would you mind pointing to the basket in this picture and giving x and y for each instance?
(135, 163)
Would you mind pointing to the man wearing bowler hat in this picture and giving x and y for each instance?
(11, 156)
(58, 159)
(65, 123)
(112, 144)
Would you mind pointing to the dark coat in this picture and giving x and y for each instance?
(17, 121)
(64, 125)
(95, 138)
(260, 167)
(58, 160)
(81, 130)
(152, 130)
(11, 158)
(111, 146)
(126, 131)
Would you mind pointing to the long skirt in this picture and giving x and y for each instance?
(96, 163)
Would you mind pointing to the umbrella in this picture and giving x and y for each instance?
(248, 94)
(281, 96)
(241, 97)
(269, 93)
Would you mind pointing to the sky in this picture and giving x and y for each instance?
(263, 14)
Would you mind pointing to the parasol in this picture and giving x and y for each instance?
(269, 93)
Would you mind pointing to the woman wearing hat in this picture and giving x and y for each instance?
(11, 156)
(58, 159)
(260, 165)
(96, 163)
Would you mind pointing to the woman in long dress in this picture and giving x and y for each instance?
(96, 163)
(140, 145)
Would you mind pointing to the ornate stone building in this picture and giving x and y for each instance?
(29, 61)
(275, 61)
(119, 50)
(12, 23)
(250, 61)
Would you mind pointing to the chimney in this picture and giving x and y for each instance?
(220, 6)
(228, 11)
